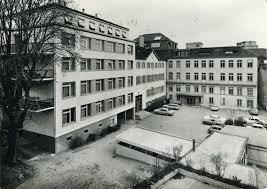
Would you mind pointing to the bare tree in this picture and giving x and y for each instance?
(176, 150)
(30, 33)
(219, 162)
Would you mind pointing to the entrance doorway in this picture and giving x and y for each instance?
(191, 101)
(138, 103)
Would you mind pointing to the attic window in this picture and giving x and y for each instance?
(157, 38)
(102, 28)
(118, 33)
(81, 22)
(228, 52)
(68, 20)
(123, 34)
(92, 26)
(110, 31)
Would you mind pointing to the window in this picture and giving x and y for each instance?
(144, 65)
(99, 106)
(230, 63)
(211, 64)
(138, 65)
(187, 63)
(250, 103)
(170, 76)
(223, 101)
(130, 98)
(148, 65)
(109, 46)
(119, 48)
(99, 64)
(178, 75)
(196, 76)
(196, 88)
(222, 76)
(130, 49)
(211, 89)
(230, 90)
(211, 100)
(203, 63)
(187, 76)
(222, 89)
(239, 91)
(111, 65)
(239, 63)
(68, 64)
(239, 103)
(68, 139)
(231, 77)
(130, 81)
(68, 89)
(203, 89)
(99, 85)
(97, 44)
(170, 64)
(130, 65)
(85, 43)
(121, 100)
(187, 88)
(211, 76)
(170, 88)
(250, 77)
(239, 77)
(250, 91)
(144, 78)
(85, 110)
(121, 82)
(138, 79)
(250, 63)
(85, 87)
(196, 63)
(68, 116)
(111, 103)
(203, 76)
(178, 64)
(178, 88)
(111, 83)
(85, 64)
(222, 63)
(68, 39)
(121, 64)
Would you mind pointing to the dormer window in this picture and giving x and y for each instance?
(92, 26)
(228, 52)
(110, 31)
(124, 35)
(157, 38)
(102, 28)
(68, 20)
(81, 22)
(118, 33)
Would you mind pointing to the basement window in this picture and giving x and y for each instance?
(68, 139)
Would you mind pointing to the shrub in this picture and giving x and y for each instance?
(239, 122)
(104, 132)
(236, 180)
(229, 122)
(156, 104)
(76, 142)
(91, 138)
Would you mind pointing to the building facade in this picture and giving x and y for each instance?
(223, 76)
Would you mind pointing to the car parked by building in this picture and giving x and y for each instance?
(214, 108)
(213, 120)
(214, 128)
(257, 120)
(255, 125)
(164, 111)
(171, 106)
(254, 112)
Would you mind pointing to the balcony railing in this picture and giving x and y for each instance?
(41, 105)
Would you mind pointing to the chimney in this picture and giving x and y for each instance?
(83, 10)
(141, 41)
(194, 145)
(95, 15)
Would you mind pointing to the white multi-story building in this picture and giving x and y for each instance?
(223, 76)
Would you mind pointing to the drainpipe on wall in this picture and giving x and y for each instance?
(194, 145)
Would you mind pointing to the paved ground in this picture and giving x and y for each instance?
(187, 122)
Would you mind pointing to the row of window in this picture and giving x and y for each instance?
(149, 65)
(91, 86)
(86, 110)
(87, 43)
(188, 89)
(210, 64)
(87, 64)
(154, 91)
(239, 76)
(149, 78)
(80, 22)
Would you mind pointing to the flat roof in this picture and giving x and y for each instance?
(154, 141)
(256, 137)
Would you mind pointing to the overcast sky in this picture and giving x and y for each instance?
(213, 22)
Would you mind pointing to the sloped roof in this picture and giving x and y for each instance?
(152, 36)
(142, 53)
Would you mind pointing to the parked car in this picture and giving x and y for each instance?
(213, 120)
(254, 111)
(171, 106)
(214, 128)
(257, 120)
(214, 108)
(255, 125)
(164, 111)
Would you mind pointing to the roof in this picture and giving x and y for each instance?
(163, 55)
(154, 37)
(154, 141)
(212, 52)
(142, 53)
(256, 137)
